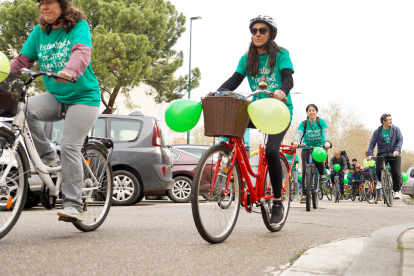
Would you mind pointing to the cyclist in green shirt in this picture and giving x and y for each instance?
(270, 65)
(294, 171)
(314, 134)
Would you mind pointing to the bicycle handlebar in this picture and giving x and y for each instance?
(383, 156)
(301, 146)
(270, 94)
(33, 75)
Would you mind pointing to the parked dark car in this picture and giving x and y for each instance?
(185, 163)
(141, 160)
(197, 150)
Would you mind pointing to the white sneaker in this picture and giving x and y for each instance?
(70, 212)
(379, 185)
(397, 195)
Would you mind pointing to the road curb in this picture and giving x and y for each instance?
(380, 255)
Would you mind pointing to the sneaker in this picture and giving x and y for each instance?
(324, 179)
(70, 212)
(342, 197)
(293, 197)
(397, 195)
(379, 185)
(303, 199)
(379, 198)
(278, 210)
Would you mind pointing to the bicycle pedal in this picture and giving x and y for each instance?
(67, 219)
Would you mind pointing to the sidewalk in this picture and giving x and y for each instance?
(388, 251)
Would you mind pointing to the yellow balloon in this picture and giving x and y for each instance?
(270, 116)
(4, 67)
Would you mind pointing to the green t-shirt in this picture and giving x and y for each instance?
(54, 51)
(313, 135)
(386, 135)
(273, 79)
(289, 159)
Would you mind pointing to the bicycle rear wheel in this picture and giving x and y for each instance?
(266, 214)
(368, 190)
(13, 191)
(97, 202)
(213, 222)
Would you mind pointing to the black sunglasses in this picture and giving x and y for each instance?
(262, 30)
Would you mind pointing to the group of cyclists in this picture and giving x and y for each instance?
(63, 29)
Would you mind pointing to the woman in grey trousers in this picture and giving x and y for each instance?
(62, 42)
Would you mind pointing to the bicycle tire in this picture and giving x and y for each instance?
(328, 191)
(308, 190)
(336, 191)
(285, 198)
(390, 198)
(9, 215)
(96, 202)
(208, 226)
(321, 192)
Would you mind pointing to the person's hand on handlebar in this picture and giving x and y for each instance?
(327, 145)
(295, 144)
(279, 95)
(65, 75)
(396, 153)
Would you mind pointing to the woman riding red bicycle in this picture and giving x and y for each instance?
(267, 66)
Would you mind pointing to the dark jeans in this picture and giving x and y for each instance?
(305, 160)
(395, 164)
(355, 186)
(273, 160)
(341, 179)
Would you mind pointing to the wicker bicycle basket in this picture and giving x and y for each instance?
(225, 116)
(9, 98)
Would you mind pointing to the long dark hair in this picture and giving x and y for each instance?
(71, 17)
(252, 64)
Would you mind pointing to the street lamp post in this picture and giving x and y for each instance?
(189, 73)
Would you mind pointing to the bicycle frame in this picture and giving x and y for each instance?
(238, 154)
(20, 127)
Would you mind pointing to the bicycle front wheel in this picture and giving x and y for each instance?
(321, 192)
(13, 190)
(309, 184)
(268, 190)
(215, 207)
(97, 188)
(388, 192)
(328, 190)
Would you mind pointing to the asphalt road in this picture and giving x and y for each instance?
(160, 238)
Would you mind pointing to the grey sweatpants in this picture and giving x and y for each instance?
(79, 120)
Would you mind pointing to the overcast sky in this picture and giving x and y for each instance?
(356, 52)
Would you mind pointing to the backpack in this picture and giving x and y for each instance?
(343, 153)
(305, 124)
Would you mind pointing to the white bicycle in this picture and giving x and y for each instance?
(15, 168)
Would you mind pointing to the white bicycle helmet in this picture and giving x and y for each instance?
(264, 19)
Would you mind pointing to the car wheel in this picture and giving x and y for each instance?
(140, 198)
(126, 188)
(31, 201)
(181, 190)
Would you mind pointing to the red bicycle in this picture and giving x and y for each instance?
(222, 184)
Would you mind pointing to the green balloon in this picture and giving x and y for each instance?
(183, 115)
(365, 163)
(319, 154)
(404, 177)
(371, 163)
(4, 67)
(345, 180)
(299, 177)
(337, 167)
(270, 116)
